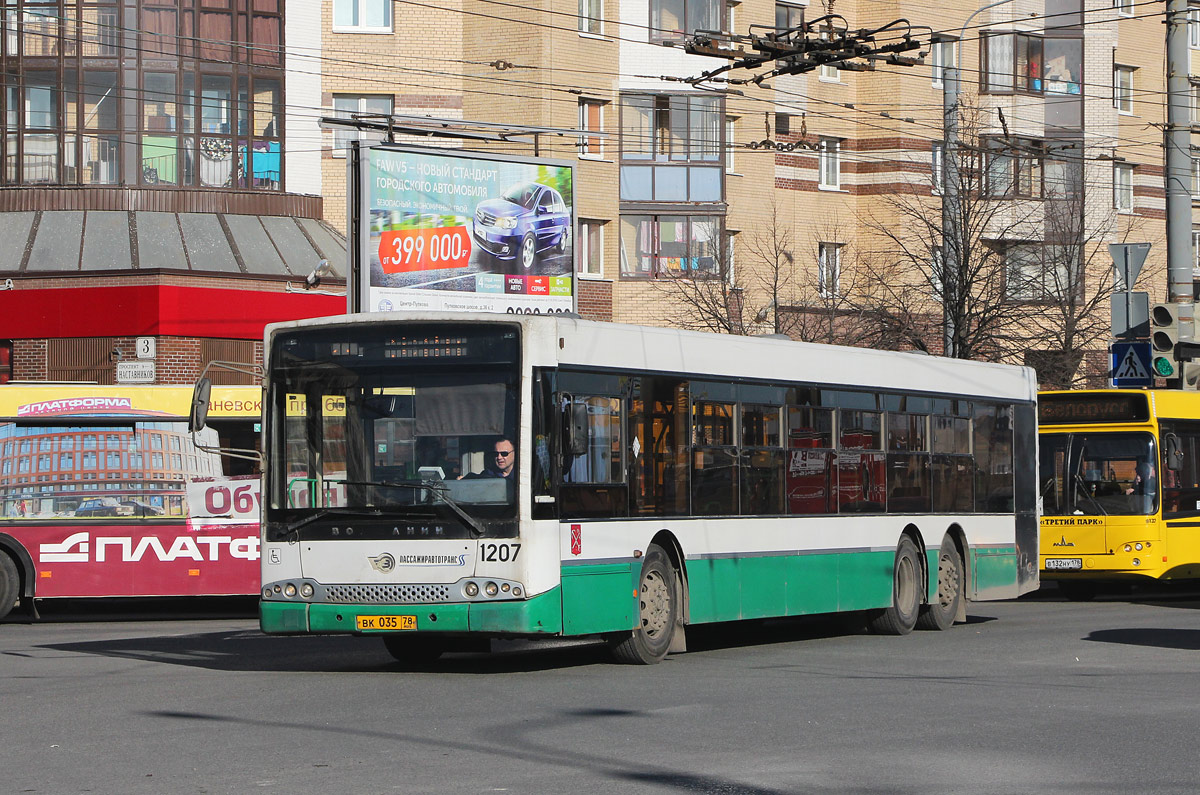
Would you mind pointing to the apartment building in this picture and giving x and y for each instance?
(144, 193)
(808, 203)
(816, 197)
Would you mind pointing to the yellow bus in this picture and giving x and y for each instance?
(1120, 485)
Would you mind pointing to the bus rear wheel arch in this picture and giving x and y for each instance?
(658, 612)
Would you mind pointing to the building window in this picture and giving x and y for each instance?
(1039, 272)
(591, 248)
(829, 270)
(663, 246)
(1014, 168)
(829, 164)
(591, 118)
(1196, 251)
(730, 145)
(591, 13)
(788, 17)
(1032, 64)
(1194, 103)
(1124, 7)
(1195, 179)
(346, 106)
(1194, 28)
(1063, 177)
(937, 162)
(941, 55)
(362, 15)
(75, 122)
(671, 148)
(676, 19)
(828, 73)
(1123, 187)
(1123, 89)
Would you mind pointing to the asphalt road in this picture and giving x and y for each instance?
(1037, 695)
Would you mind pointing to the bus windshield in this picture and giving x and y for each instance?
(1098, 474)
(411, 426)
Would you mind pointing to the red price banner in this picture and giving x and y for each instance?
(406, 250)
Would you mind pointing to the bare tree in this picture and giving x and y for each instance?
(710, 298)
(1072, 316)
(773, 289)
(1021, 276)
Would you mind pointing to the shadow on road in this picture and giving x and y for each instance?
(250, 650)
(1188, 639)
(188, 608)
(1184, 594)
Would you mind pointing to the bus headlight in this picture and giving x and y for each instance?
(1137, 562)
(289, 590)
(306, 590)
(1128, 548)
(491, 589)
(471, 589)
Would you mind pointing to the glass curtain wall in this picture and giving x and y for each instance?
(208, 88)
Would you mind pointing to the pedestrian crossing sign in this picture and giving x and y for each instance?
(1131, 365)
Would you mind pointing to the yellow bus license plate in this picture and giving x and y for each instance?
(385, 622)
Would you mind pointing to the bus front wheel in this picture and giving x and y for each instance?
(940, 613)
(413, 649)
(10, 584)
(901, 617)
(658, 610)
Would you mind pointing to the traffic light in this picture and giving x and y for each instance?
(1164, 334)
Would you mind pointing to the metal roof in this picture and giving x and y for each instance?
(46, 242)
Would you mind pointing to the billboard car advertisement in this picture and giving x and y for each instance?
(456, 232)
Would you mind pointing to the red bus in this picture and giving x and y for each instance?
(105, 493)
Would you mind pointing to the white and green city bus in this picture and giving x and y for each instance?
(663, 478)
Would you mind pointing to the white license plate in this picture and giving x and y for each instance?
(1063, 564)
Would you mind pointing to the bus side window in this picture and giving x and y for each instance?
(1181, 469)
(593, 460)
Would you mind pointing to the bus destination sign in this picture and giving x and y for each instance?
(1084, 408)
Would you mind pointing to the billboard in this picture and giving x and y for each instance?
(465, 232)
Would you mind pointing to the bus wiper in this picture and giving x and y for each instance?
(1083, 487)
(331, 511)
(476, 529)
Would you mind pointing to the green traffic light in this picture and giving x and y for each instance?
(1164, 366)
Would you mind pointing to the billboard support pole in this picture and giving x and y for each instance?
(354, 263)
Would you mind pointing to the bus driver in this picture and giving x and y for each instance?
(502, 464)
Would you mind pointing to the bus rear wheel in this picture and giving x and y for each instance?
(10, 584)
(414, 650)
(658, 610)
(940, 613)
(901, 617)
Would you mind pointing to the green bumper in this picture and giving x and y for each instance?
(541, 615)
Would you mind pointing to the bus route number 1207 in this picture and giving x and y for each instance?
(498, 553)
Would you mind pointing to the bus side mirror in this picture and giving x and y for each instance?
(1174, 453)
(577, 429)
(198, 415)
